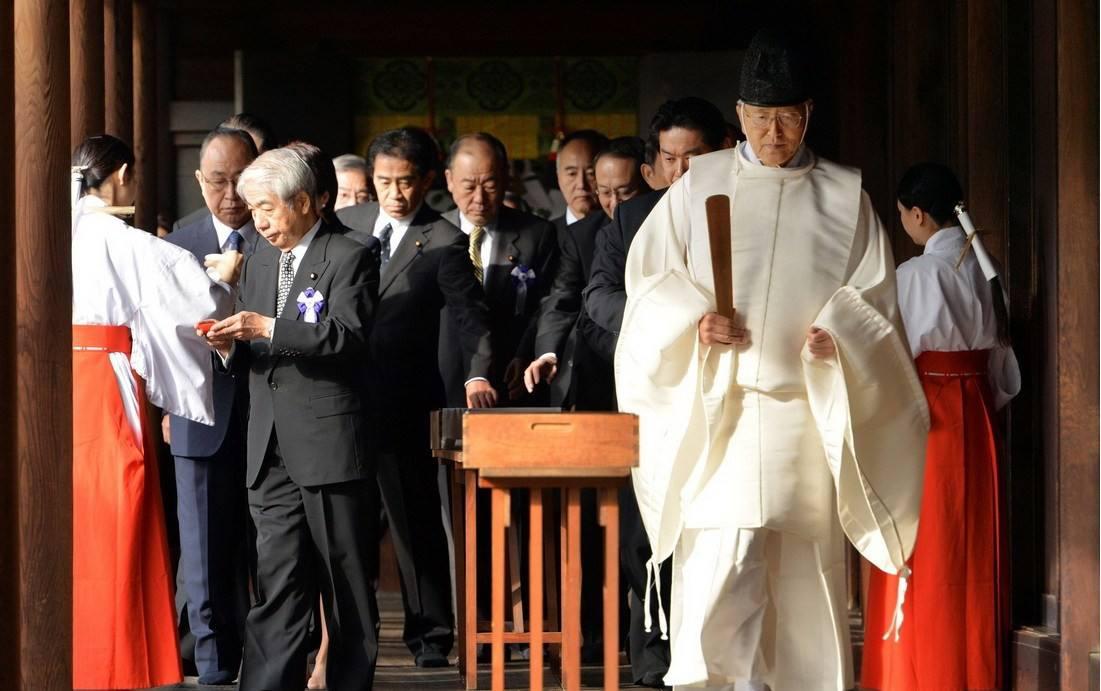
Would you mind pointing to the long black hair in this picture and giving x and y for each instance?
(934, 189)
(98, 157)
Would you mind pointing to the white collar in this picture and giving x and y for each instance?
(797, 161)
(223, 231)
(304, 244)
(570, 218)
(945, 241)
(397, 225)
(466, 225)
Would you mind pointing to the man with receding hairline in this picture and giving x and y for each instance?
(517, 253)
(211, 505)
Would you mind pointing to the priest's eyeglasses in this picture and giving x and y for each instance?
(219, 184)
(788, 119)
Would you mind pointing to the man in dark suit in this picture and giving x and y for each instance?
(514, 255)
(573, 166)
(263, 137)
(582, 377)
(310, 461)
(681, 129)
(211, 505)
(425, 266)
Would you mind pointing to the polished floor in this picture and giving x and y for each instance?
(396, 671)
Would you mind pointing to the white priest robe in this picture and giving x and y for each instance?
(757, 460)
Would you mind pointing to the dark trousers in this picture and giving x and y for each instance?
(649, 654)
(311, 540)
(407, 480)
(212, 509)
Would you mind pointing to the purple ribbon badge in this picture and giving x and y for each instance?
(521, 276)
(310, 304)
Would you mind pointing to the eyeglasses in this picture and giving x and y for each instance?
(218, 184)
(788, 119)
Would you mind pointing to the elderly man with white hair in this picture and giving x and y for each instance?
(306, 299)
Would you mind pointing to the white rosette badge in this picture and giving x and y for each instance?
(310, 304)
(524, 278)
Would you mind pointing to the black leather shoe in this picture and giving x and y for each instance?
(431, 658)
(653, 680)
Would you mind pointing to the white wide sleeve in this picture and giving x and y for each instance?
(657, 365)
(173, 361)
(869, 405)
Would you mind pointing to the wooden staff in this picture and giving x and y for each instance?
(718, 232)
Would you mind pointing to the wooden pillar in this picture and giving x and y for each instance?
(86, 69)
(118, 68)
(9, 515)
(985, 149)
(42, 424)
(145, 112)
(1077, 144)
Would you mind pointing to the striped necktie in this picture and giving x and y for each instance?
(477, 237)
(384, 239)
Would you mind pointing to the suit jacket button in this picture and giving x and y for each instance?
(274, 386)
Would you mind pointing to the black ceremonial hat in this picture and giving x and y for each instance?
(774, 71)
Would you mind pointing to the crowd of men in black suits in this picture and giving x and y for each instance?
(350, 328)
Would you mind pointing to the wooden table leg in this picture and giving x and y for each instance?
(609, 518)
(571, 608)
(550, 543)
(535, 588)
(458, 532)
(516, 598)
(470, 580)
(500, 524)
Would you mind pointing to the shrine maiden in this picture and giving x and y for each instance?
(956, 615)
(767, 439)
(136, 300)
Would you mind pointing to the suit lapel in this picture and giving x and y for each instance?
(506, 255)
(208, 240)
(309, 272)
(412, 244)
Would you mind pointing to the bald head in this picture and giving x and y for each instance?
(224, 156)
(477, 176)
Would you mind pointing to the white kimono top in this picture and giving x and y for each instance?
(125, 276)
(951, 309)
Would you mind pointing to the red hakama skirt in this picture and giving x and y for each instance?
(954, 617)
(124, 624)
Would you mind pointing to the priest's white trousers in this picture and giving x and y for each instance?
(763, 605)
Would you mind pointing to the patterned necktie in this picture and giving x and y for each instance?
(477, 236)
(384, 238)
(233, 242)
(286, 277)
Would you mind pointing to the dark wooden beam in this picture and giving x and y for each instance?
(118, 68)
(42, 425)
(145, 112)
(86, 69)
(1077, 144)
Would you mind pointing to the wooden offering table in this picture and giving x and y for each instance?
(502, 450)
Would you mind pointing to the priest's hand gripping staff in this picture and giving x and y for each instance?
(718, 234)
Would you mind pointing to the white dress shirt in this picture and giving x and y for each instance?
(950, 310)
(466, 225)
(247, 232)
(398, 227)
(570, 217)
